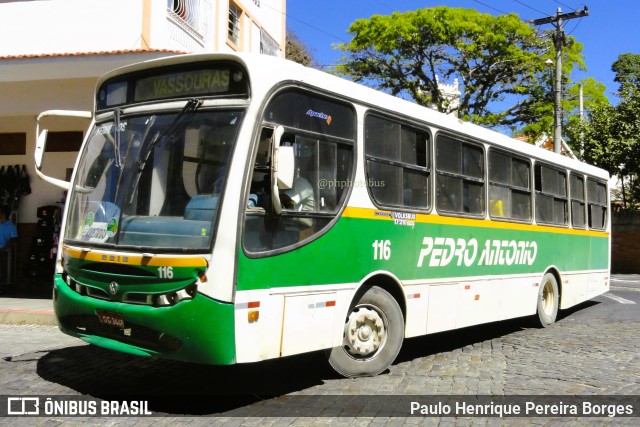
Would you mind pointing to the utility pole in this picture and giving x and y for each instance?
(581, 110)
(559, 42)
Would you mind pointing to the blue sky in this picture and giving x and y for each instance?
(612, 27)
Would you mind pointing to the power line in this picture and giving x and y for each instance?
(530, 7)
(306, 23)
(490, 7)
(574, 28)
(565, 5)
(579, 20)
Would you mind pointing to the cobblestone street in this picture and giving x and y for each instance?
(594, 350)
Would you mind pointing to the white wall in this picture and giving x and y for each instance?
(64, 26)
(73, 26)
(70, 94)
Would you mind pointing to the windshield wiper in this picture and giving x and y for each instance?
(116, 125)
(190, 108)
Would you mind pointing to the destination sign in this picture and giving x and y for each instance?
(184, 83)
(199, 80)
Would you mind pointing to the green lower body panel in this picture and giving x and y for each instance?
(200, 330)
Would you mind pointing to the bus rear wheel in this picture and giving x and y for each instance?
(372, 336)
(548, 300)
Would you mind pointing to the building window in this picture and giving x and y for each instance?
(179, 7)
(58, 142)
(235, 13)
(268, 45)
(13, 144)
(459, 177)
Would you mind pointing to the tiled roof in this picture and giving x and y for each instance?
(102, 52)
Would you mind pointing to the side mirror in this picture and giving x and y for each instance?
(282, 168)
(41, 143)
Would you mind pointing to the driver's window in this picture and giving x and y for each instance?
(323, 165)
(302, 196)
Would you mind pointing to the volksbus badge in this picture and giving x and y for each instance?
(113, 288)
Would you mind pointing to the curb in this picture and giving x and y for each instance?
(27, 317)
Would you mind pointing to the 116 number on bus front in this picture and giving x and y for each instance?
(381, 250)
(165, 272)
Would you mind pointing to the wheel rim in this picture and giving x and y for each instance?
(365, 332)
(548, 298)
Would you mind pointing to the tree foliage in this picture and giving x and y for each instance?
(627, 69)
(611, 135)
(499, 62)
(297, 51)
(537, 108)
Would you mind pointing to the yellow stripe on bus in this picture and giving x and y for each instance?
(366, 213)
(123, 258)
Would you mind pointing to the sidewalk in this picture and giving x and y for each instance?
(25, 304)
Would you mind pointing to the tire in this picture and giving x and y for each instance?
(372, 336)
(548, 301)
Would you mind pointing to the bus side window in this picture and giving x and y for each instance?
(509, 186)
(577, 191)
(551, 195)
(259, 191)
(460, 186)
(398, 163)
(306, 208)
(597, 201)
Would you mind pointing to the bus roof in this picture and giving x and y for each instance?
(273, 71)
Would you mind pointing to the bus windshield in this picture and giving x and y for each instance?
(153, 181)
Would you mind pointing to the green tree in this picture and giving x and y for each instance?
(611, 134)
(594, 99)
(495, 58)
(627, 69)
(536, 110)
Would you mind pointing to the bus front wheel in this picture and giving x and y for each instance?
(548, 300)
(372, 336)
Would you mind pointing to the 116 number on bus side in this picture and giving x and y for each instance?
(381, 250)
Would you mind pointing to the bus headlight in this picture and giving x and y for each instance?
(173, 298)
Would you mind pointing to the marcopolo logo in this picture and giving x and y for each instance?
(441, 251)
(319, 115)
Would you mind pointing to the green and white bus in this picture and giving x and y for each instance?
(235, 208)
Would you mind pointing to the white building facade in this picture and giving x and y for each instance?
(53, 51)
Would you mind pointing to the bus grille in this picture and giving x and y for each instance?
(133, 334)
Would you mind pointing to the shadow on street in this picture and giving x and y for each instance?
(181, 388)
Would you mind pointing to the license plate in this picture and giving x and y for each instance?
(110, 318)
